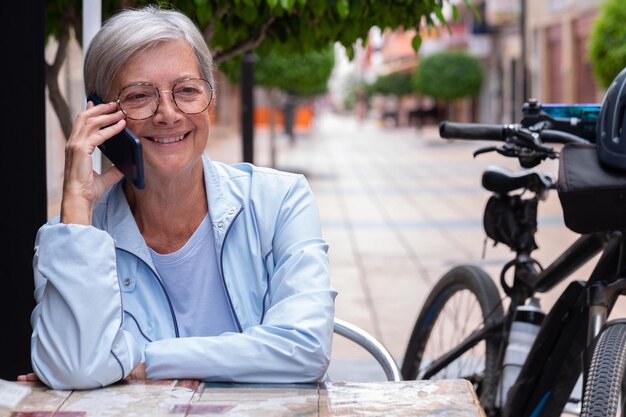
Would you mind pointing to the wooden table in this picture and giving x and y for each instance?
(450, 398)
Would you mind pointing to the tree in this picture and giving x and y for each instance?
(449, 75)
(232, 27)
(302, 74)
(607, 44)
(394, 86)
(398, 84)
(297, 75)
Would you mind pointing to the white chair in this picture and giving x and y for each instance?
(373, 346)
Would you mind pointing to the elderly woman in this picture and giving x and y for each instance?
(210, 271)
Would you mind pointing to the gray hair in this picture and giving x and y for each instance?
(134, 30)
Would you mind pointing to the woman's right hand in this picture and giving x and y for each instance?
(82, 186)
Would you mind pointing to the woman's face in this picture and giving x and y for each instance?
(172, 141)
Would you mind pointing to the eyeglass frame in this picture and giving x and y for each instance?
(171, 90)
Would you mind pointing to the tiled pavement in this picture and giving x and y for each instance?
(399, 207)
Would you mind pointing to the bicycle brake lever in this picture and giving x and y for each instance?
(509, 150)
(532, 140)
(484, 150)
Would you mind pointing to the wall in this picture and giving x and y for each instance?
(557, 33)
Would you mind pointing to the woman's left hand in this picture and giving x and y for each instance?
(29, 377)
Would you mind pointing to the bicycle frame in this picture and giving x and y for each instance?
(571, 328)
(584, 302)
(559, 354)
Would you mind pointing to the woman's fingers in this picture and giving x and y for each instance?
(29, 377)
(96, 124)
(82, 186)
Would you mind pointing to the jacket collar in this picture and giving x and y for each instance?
(222, 201)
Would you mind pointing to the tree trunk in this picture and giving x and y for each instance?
(59, 104)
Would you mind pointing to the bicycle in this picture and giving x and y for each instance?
(575, 337)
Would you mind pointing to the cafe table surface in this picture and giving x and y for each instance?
(171, 398)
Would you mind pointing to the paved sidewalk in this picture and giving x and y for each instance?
(399, 207)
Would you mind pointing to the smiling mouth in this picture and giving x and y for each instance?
(167, 140)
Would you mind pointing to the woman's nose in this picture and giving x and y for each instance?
(167, 109)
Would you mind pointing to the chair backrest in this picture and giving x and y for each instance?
(373, 346)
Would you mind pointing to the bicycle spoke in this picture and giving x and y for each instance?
(458, 320)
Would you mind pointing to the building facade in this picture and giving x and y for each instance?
(547, 60)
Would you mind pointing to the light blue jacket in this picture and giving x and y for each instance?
(102, 308)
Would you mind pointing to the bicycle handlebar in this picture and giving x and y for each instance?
(477, 131)
(499, 132)
(557, 136)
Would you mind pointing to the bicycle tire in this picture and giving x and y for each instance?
(605, 392)
(476, 286)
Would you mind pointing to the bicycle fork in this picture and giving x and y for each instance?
(602, 297)
(598, 312)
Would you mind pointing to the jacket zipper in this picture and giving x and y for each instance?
(267, 290)
(167, 297)
(230, 301)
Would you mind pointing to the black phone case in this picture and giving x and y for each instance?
(125, 152)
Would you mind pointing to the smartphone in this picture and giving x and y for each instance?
(124, 151)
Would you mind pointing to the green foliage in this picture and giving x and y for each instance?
(607, 44)
(278, 26)
(304, 74)
(232, 27)
(60, 16)
(349, 99)
(398, 84)
(448, 75)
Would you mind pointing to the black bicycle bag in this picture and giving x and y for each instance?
(592, 195)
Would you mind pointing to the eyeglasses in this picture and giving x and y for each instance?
(140, 101)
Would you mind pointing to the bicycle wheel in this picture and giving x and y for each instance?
(605, 393)
(461, 302)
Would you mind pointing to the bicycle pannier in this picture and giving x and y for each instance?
(592, 195)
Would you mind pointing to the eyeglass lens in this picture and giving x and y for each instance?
(141, 101)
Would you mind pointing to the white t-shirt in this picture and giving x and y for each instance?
(192, 280)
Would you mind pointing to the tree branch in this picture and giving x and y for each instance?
(59, 104)
(248, 45)
(207, 33)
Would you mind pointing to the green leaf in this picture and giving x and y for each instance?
(272, 3)
(356, 9)
(416, 42)
(287, 4)
(455, 12)
(349, 52)
(439, 14)
(343, 8)
(319, 7)
(200, 2)
(204, 14)
(249, 13)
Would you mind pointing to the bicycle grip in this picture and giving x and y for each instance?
(478, 131)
